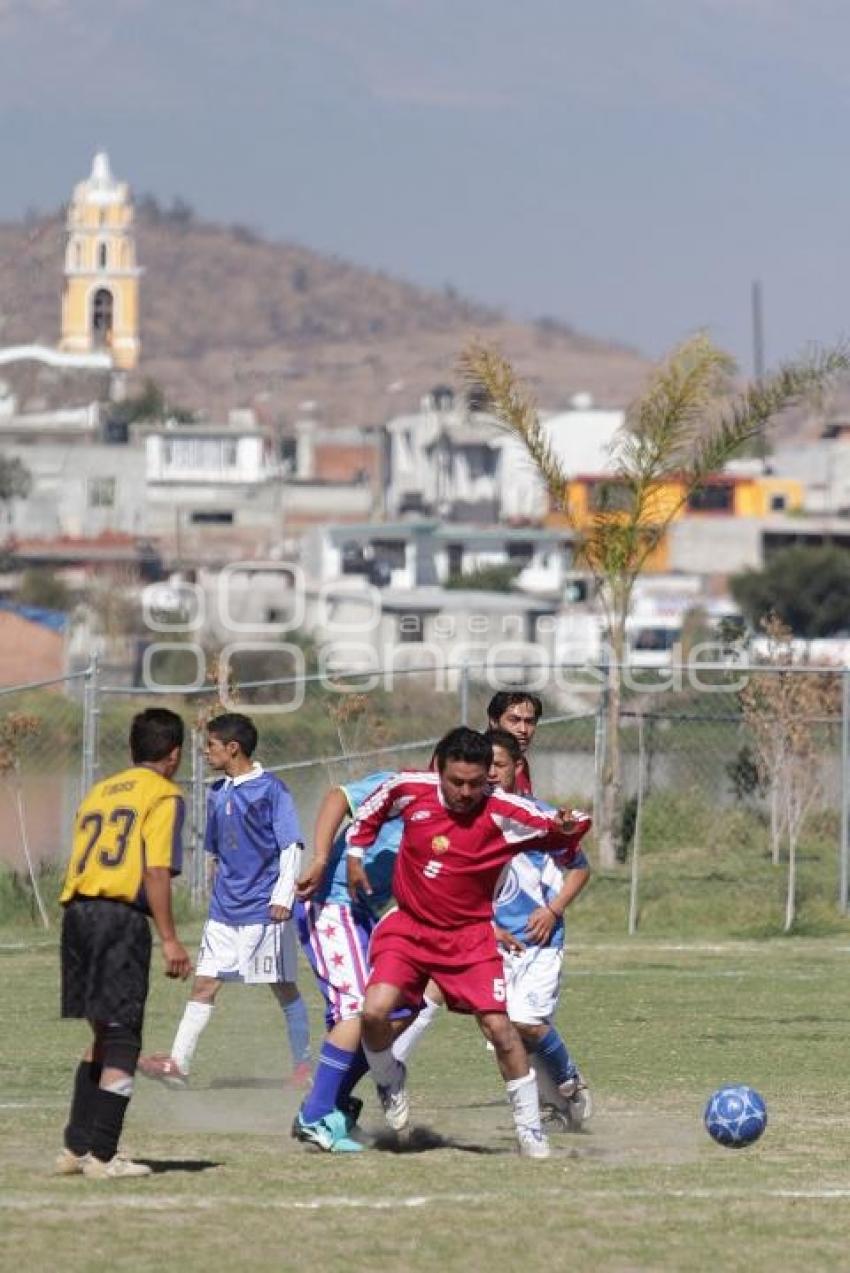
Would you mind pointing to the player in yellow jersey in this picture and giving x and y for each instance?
(127, 846)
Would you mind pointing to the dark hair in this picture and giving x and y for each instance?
(233, 727)
(154, 733)
(500, 703)
(463, 744)
(501, 738)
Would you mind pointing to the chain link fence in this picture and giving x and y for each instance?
(690, 748)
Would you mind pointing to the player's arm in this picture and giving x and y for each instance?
(163, 843)
(288, 839)
(552, 830)
(386, 802)
(333, 811)
(542, 921)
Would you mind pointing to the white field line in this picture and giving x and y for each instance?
(35, 1104)
(345, 1202)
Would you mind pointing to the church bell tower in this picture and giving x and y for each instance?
(100, 300)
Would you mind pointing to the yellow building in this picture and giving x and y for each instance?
(723, 495)
(100, 300)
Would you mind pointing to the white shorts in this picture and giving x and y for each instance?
(257, 954)
(532, 980)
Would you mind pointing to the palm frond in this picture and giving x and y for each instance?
(746, 417)
(515, 409)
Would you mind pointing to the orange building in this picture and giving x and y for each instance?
(722, 495)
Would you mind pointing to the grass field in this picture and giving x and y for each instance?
(656, 1024)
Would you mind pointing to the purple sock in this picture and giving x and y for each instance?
(329, 1079)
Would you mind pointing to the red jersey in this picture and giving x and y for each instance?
(522, 781)
(448, 863)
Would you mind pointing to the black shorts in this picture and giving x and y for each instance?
(106, 956)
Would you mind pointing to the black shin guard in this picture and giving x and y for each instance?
(107, 1124)
(83, 1102)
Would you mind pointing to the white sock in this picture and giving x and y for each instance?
(522, 1094)
(196, 1018)
(408, 1040)
(385, 1068)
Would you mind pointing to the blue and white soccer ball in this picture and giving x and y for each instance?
(735, 1116)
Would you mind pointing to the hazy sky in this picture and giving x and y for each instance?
(626, 165)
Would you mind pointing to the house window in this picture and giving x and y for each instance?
(410, 629)
(209, 454)
(778, 503)
(454, 554)
(353, 560)
(101, 492)
(212, 517)
(102, 256)
(610, 497)
(717, 498)
(481, 461)
(393, 552)
(520, 552)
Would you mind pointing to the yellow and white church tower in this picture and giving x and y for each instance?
(100, 300)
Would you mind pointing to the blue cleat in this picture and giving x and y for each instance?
(329, 1133)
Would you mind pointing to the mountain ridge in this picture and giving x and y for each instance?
(230, 318)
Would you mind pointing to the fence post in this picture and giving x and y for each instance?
(463, 687)
(600, 740)
(197, 804)
(844, 846)
(91, 725)
(636, 837)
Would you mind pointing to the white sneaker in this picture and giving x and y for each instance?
(395, 1101)
(118, 1168)
(67, 1163)
(533, 1143)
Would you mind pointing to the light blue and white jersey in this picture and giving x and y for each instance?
(379, 862)
(531, 880)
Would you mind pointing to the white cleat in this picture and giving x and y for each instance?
(532, 1143)
(395, 1101)
(118, 1168)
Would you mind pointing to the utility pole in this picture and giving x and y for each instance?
(758, 356)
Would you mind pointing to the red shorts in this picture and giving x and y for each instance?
(464, 962)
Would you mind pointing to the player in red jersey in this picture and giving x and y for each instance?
(517, 712)
(458, 836)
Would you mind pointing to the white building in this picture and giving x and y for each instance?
(80, 490)
(427, 553)
(465, 466)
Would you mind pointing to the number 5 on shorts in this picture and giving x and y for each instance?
(499, 992)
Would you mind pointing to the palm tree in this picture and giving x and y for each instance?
(684, 427)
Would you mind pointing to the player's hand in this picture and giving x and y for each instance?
(177, 962)
(564, 820)
(540, 925)
(507, 941)
(358, 880)
(310, 881)
(278, 914)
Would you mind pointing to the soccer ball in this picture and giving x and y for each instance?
(735, 1116)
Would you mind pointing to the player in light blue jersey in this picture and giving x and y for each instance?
(334, 934)
(529, 907)
(254, 843)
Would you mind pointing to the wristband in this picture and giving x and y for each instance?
(357, 854)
